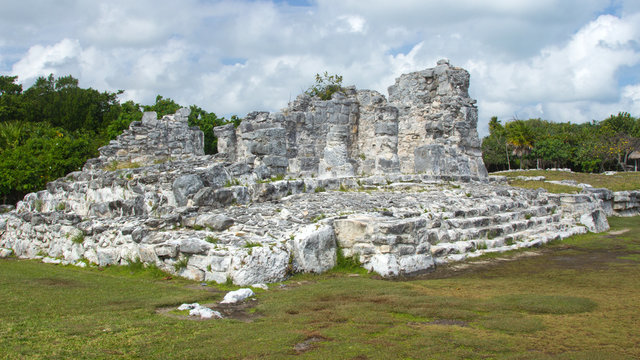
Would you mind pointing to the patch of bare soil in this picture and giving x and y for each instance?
(239, 311)
(308, 343)
(618, 232)
(473, 265)
(448, 322)
(562, 257)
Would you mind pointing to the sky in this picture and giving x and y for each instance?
(559, 60)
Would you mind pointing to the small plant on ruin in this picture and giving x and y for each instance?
(181, 264)
(250, 244)
(347, 263)
(326, 85)
(61, 206)
(318, 218)
(117, 165)
(527, 216)
(212, 240)
(78, 238)
(232, 182)
(37, 205)
(319, 189)
(135, 265)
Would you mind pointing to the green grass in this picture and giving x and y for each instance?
(552, 188)
(119, 165)
(577, 300)
(617, 182)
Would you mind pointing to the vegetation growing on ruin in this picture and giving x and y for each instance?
(577, 299)
(325, 86)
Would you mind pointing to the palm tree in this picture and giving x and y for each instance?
(520, 136)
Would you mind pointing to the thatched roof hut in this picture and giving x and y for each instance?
(635, 156)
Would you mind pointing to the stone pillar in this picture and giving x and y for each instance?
(227, 142)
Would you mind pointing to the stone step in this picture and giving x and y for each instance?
(447, 252)
(492, 230)
(499, 218)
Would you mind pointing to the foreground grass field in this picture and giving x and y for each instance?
(577, 299)
(618, 182)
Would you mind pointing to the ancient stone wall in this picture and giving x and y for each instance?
(153, 139)
(428, 126)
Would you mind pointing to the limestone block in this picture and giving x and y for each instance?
(169, 250)
(263, 265)
(314, 249)
(184, 186)
(595, 221)
(108, 256)
(216, 222)
(193, 246)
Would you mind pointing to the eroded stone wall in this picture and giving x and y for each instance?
(153, 139)
(427, 126)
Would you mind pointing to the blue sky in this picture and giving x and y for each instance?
(560, 60)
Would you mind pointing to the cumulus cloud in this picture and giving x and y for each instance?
(41, 60)
(557, 59)
(567, 82)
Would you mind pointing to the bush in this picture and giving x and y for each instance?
(326, 85)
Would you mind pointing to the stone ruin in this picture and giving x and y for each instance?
(428, 126)
(399, 184)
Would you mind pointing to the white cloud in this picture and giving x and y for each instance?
(563, 80)
(43, 60)
(556, 59)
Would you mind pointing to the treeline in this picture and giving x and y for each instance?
(54, 126)
(590, 147)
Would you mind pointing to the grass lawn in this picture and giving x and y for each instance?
(617, 182)
(577, 299)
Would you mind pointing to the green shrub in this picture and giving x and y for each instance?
(181, 264)
(211, 239)
(319, 189)
(78, 238)
(326, 85)
(347, 264)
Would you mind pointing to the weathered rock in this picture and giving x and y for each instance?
(314, 249)
(200, 311)
(214, 222)
(595, 221)
(233, 297)
(5, 253)
(184, 186)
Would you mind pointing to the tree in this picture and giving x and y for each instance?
(495, 153)
(620, 134)
(520, 136)
(9, 97)
(36, 153)
(163, 106)
(129, 112)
